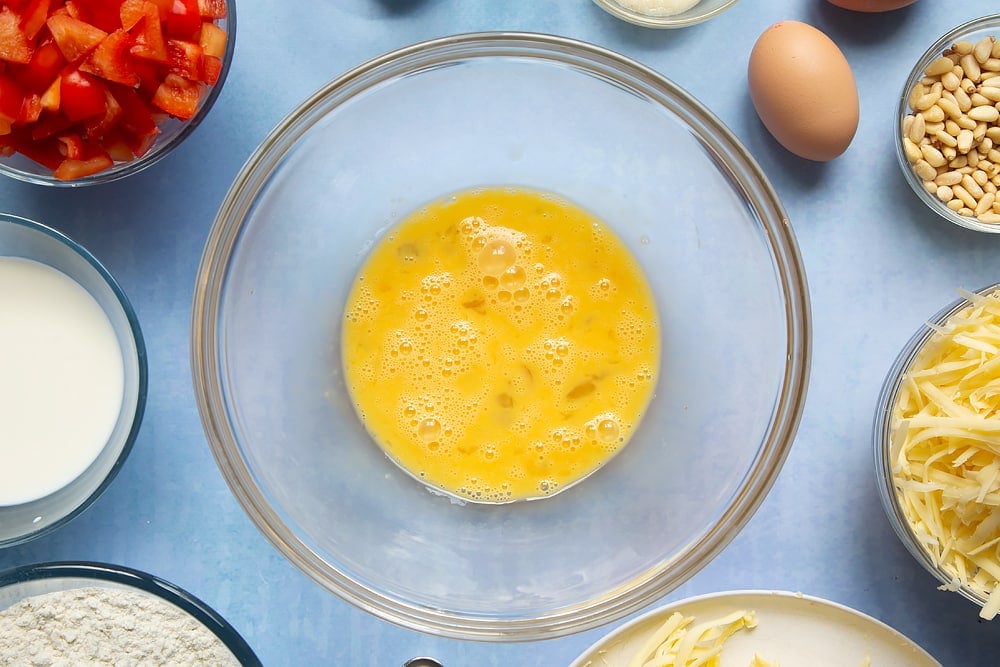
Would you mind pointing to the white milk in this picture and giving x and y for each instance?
(61, 380)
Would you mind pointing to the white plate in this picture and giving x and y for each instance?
(793, 630)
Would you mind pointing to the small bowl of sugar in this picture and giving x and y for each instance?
(73, 385)
(116, 615)
(664, 13)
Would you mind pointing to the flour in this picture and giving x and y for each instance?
(658, 7)
(106, 627)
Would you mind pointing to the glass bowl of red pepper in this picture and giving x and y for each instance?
(94, 90)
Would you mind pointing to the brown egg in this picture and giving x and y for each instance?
(804, 90)
(871, 6)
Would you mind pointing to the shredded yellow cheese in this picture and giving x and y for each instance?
(677, 643)
(946, 448)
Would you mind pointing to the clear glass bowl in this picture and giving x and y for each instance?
(972, 31)
(551, 114)
(30, 580)
(882, 439)
(704, 10)
(24, 238)
(172, 132)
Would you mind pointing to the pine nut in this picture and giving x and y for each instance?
(950, 81)
(984, 114)
(950, 109)
(990, 93)
(962, 48)
(911, 150)
(991, 65)
(928, 100)
(964, 141)
(971, 67)
(933, 115)
(954, 204)
(994, 134)
(989, 218)
(939, 66)
(973, 188)
(985, 203)
(932, 155)
(944, 193)
(944, 138)
(917, 128)
(964, 195)
(962, 99)
(966, 123)
(980, 177)
(948, 178)
(959, 161)
(979, 100)
(981, 51)
(924, 170)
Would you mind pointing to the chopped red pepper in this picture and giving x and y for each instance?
(33, 18)
(81, 96)
(14, 44)
(74, 37)
(86, 83)
(70, 169)
(111, 61)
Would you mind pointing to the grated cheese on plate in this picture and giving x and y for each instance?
(945, 451)
(677, 643)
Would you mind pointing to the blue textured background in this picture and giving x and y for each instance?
(878, 265)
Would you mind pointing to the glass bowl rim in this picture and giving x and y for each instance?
(141, 360)
(656, 581)
(987, 22)
(120, 170)
(143, 581)
(638, 18)
(882, 439)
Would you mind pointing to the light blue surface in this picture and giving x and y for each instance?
(878, 265)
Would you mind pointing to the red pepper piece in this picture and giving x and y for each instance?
(81, 96)
(142, 19)
(43, 68)
(95, 126)
(212, 9)
(11, 100)
(33, 18)
(184, 58)
(74, 37)
(100, 13)
(111, 59)
(31, 109)
(178, 96)
(14, 44)
(70, 169)
(183, 20)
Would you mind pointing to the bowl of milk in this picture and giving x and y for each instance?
(72, 379)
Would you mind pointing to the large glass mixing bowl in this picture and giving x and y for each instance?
(551, 114)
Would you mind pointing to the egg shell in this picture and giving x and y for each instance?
(871, 6)
(804, 90)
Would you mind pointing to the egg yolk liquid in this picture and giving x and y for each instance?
(500, 344)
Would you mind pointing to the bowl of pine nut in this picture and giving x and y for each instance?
(949, 126)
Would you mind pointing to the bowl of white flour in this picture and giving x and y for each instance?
(665, 13)
(62, 614)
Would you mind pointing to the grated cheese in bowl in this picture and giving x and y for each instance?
(944, 448)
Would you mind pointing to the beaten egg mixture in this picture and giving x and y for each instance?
(500, 344)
